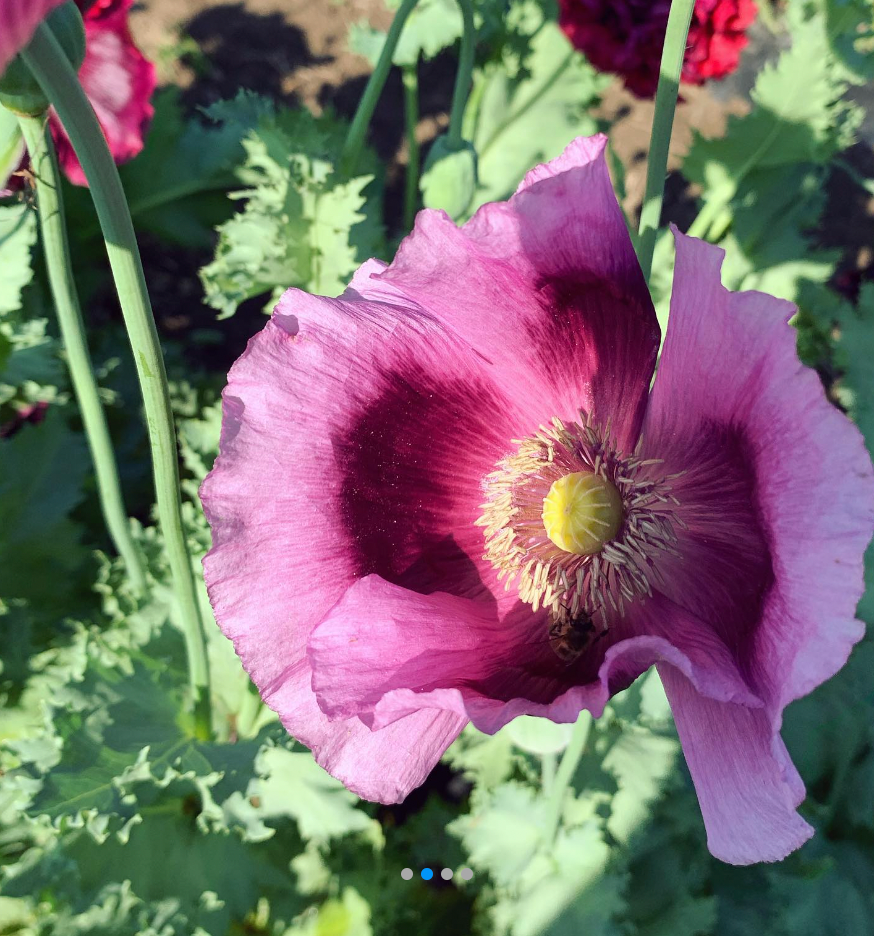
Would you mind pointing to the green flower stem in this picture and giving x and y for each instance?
(56, 248)
(473, 107)
(464, 75)
(714, 218)
(410, 76)
(61, 86)
(361, 121)
(705, 218)
(548, 764)
(662, 124)
(566, 769)
(550, 82)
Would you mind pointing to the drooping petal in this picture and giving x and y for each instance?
(382, 766)
(747, 801)
(18, 22)
(794, 493)
(778, 497)
(384, 652)
(119, 82)
(354, 438)
(546, 287)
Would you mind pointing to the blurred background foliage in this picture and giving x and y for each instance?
(114, 819)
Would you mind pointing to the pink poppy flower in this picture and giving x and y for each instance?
(18, 22)
(449, 495)
(119, 82)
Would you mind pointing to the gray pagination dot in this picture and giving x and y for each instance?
(466, 874)
(407, 873)
(446, 874)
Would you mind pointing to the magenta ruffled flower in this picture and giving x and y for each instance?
(118, 80)
(449, 495)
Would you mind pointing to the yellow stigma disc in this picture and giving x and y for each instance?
(582, 512)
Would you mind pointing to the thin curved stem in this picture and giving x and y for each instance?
(566, 769)
(56, 248)
(464, 75)
(361, 121)
(58, 80)
(662, 125)
(411, 119)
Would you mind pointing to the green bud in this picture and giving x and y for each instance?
(449, 177)
(19, 90)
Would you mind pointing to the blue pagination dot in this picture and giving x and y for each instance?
(427, 874)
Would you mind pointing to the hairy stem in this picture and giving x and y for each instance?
(61, 86)
(56, 249)
(662, 124)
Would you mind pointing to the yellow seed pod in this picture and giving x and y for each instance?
(582, 512)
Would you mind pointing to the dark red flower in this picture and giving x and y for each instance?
(627, 36)
(118, 80)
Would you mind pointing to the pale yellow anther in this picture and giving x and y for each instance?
(582, 512)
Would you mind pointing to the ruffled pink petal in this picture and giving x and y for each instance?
(354, 438)
(18, 22)
(730, 359)
(119, 82)
(546, 287)
(748, 804)
(384, 652)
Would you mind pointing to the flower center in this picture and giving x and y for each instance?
(579, 526)
(582, 512)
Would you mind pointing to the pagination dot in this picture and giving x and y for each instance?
(466, 874)
(407, 873)
(446, 874)
(427, 874)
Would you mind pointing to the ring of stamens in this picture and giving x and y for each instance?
(572, 586)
